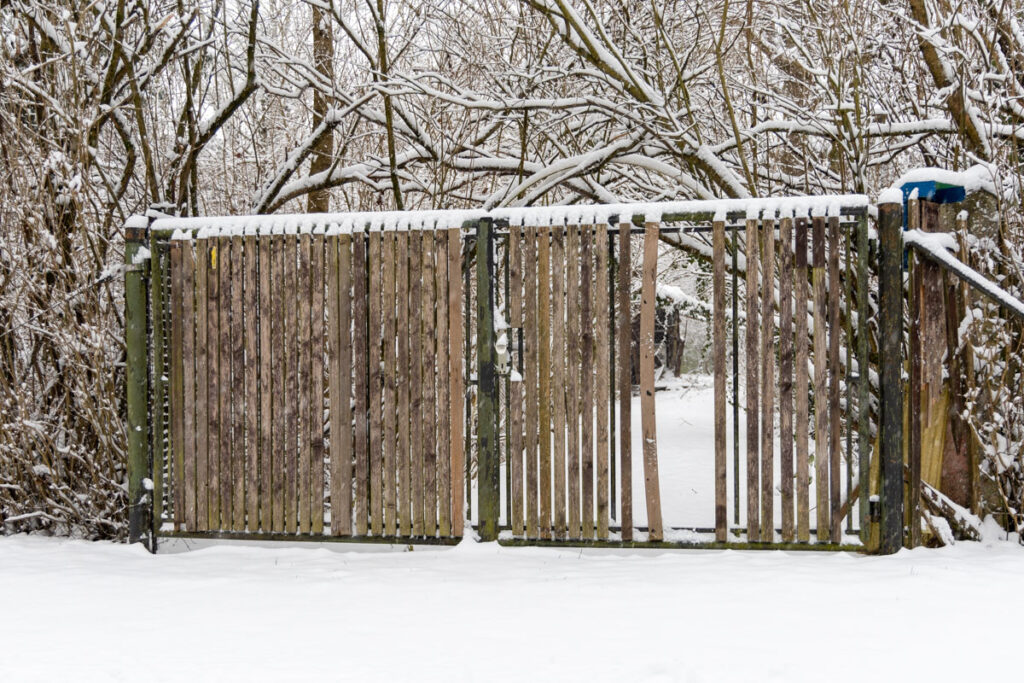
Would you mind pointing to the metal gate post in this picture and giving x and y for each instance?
(136, 377)
(488, 456)
(890, 285)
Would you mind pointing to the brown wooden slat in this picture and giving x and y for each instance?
(531, 378)
(341, 507)
(767, 380)
(303, 296)
(375, 339)
(390, 301)
(415, 332)
(403, 298)
(316, 484)
(572, 379)
(802, 392)
(718, 345)
(279, 439)
(650, 434)
(267, 380)
(786, 374)
(443, 402)
(225, 483)
(753, 381)
(192, 427)
(625, 380)
(821, 463)
(251, 362)
(602, 399)
(835, 326)
(204, 371)
(428, 377)
(293, 390)
(515, 388)
(360, 363)
(587, 379)
(337, 402)
(544, 377)
(558, 377)
(456, 394)
(238, 408)
(177, 391)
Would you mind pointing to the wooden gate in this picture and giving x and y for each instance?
(312, 365)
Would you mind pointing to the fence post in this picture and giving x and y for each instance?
(137, 378)
(890, 285)
(488, 458)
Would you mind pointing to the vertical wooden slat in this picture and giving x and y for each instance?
(192, 427)
(375, 339)
(914, 391)
(416, 379)
(225, 487)
(803, 474)
(753, 381)
(544, 377)
(159, 303)
(239, 457)
(625, 346)
(389, 249)
(718, 351)
(587, 378)
(203, 377)
(572, 376)
(821, 458)
(361, 367)
(456, 394)
(293, 390)
(341, 507)
(835, 373)
(267, 380)
(558, 377)
(335, 398)
(647, 296)
(863, 387)
(279, 439)
(515, 386)
(531, 378)
(443, 402)
(767, 380)
(177, 391)
(252, 366)
(304, 296)
(786, 374)
(602, 400)
(316, 484)
(403, 301)
(428, 377)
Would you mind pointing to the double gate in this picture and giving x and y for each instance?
(394, 376)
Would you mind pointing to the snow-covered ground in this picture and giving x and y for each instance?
(78, 611)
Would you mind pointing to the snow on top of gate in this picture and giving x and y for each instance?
(539, 216)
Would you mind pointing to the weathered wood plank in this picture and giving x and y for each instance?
(390, 301)
(343, 508)
(375, 339)
(544, 377)
(753, 382)
(429, 376)
(718, 343)
(280, 451)
(587, 379)
(267, 380)
(767, 380)
(291, 396)
(335, 398)
(303, 296)
(252, 365)
(625, 383)
(402, 298)
(786, 374)
(239, 457)
(572, 377)
(443, 402)
(803, 474)
(316, 515)
(558, 377)
(515, 388)
(821, 460)
(193, 428)
(361, 388)
(416, 451)
(835, 374)
(225, 481)
(531, 378)
(204, 340)
(177, 391)
(456, 394)
(602, 399)
(652, 486)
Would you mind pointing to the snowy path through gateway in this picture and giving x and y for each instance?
(78, 611)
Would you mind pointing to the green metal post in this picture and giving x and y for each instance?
(488, 456)
(137, 381)
(890, 324)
